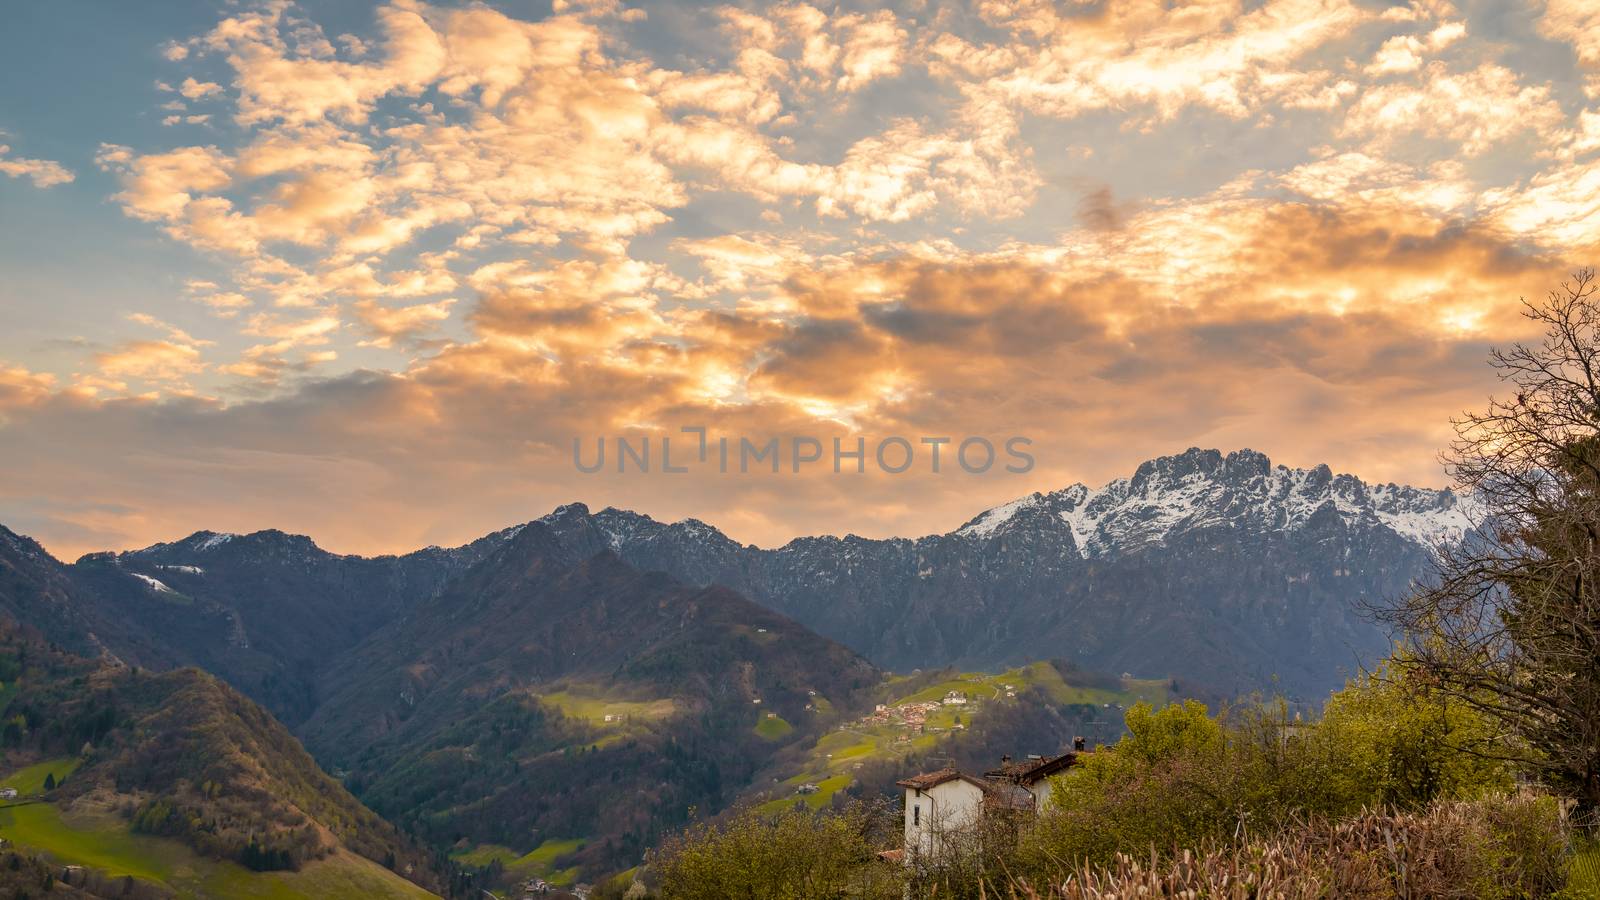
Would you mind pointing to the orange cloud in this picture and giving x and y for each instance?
(150, 361)
(1476, 109)
(391, 324)
(438, 254)
(43, 173)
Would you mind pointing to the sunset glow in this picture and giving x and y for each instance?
(366, 275)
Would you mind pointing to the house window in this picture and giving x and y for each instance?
(916, 815)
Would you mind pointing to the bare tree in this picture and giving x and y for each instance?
(1511, 624)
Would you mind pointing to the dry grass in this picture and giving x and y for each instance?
(1514, 847)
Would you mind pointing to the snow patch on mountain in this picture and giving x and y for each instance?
(1458, 517)
(989, 522)
(213, 541)
(154, 584)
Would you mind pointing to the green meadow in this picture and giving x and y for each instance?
(29, 781)
(773, 727)
(831, 760)
(540, 861)
(103, 841)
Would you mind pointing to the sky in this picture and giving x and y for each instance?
(368, 272)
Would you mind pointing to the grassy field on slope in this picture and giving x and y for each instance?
(830, 762)
(29, 781)
(104, 842)
(539, 861)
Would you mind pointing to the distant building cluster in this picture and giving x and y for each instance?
(535, 888)
(913, 717)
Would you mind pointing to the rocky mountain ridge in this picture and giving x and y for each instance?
(1202, 487)
(1224, 570)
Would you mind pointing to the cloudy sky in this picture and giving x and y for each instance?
(365, 272)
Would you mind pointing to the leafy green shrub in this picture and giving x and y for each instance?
(1182, 777)
(795, 855)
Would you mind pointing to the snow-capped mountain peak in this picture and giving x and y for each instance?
(1243, 490)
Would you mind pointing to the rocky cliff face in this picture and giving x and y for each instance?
(1226, 572)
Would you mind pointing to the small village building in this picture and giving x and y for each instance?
(939, 803)
(1033, 774)
(947, 801)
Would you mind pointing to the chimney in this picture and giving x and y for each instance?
(1078, 745)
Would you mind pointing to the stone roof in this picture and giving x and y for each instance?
(929, 780)
(1031, 771)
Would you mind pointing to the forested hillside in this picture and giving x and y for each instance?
(177, 755)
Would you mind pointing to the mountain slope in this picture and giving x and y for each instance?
(176, 755)
(538, 698)
(37, 589)
(266, 611)
(1225, 572)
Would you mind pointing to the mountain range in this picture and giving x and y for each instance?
(501, 695)
(1225, 572)
(570, 687)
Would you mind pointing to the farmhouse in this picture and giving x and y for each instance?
(1033, 774)
(947, 801)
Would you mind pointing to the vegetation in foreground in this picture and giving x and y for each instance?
(1379, 799)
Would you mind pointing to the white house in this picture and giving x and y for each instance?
(948, 801)
(937, 804)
